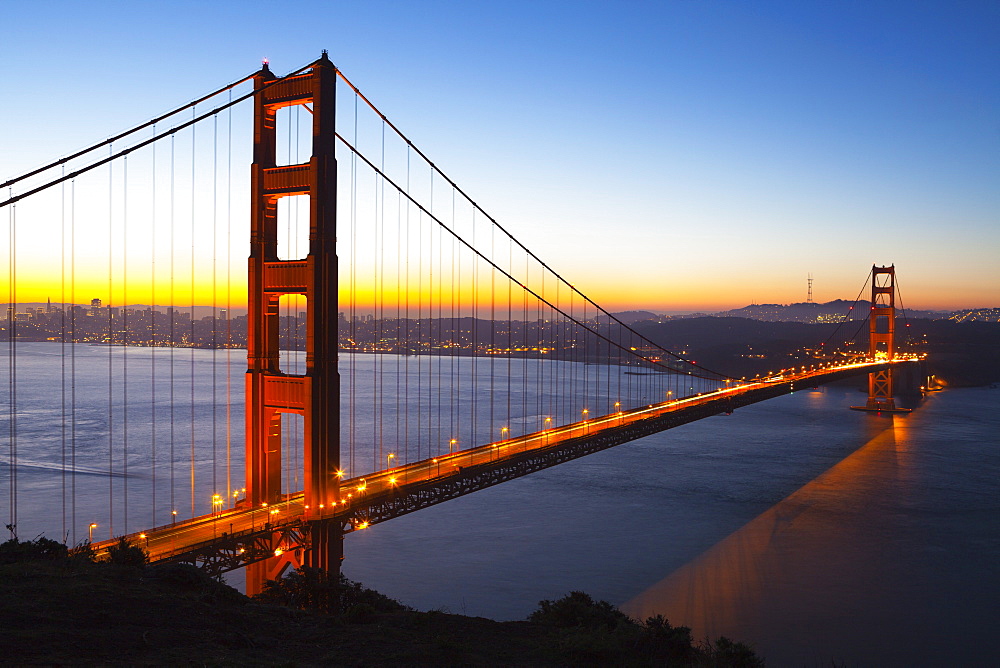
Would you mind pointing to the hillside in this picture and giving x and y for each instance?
(65, 611)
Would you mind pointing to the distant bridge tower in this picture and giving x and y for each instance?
(882, 340)
(269, 391)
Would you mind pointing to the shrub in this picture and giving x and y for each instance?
(596, 633)
(304, 588)
(125, 553)
(354, 594)
(579, 610)
(310, 588)
(83, 553)
(726, 652)
(41, 549)
(673, 642)
(192, 581)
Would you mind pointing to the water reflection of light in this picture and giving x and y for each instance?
(798, 569)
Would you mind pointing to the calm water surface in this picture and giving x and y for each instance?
(817, 533)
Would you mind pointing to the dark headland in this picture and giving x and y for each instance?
(60, 609)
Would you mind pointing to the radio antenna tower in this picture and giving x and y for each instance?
(809, 297)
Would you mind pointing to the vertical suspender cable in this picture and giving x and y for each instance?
(378, 376)
(456, 293)
(399, 325)
(493, 336)
(526, 346)
(152, 335)
(192, 319)
(510, 335)
(172, 314)
(353, 353)
(12, 364)
(72, 353)
(230, 493)
(108, 341)
(215, 305)
(419, 333)
(475, 339)
(62, 346)
(406, 323)
(440, 358)
(125, 334)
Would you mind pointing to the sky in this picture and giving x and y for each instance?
(670, 156)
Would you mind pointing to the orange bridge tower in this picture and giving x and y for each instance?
(882, 341)
(270, 393)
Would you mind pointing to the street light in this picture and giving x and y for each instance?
(388, 460)
(451, 444)
(90, 532)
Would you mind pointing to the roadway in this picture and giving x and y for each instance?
(182, 536)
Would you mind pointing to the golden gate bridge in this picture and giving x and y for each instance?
(403, 348)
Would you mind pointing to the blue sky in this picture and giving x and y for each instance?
(662, 155)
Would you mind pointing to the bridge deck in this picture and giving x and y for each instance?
(232, 538)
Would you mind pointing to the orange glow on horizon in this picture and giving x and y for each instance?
(37, 284)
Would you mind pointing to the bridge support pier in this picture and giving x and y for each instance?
(273, 568)
(326, 546)
(325, 551)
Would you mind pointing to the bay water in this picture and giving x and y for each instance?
(818, 534)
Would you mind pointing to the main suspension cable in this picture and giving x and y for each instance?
(402, 191)
(15, 198)
(409, 143)
(112, 140)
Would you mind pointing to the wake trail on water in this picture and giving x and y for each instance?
(79, 470)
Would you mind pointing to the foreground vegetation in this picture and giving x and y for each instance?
(58, 606)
